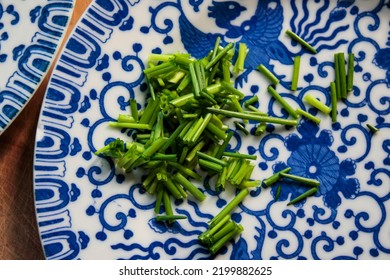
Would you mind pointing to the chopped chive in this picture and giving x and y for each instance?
(351, 61)
(179, 178)
(260, 129)
(254, 117)
(161, 218)
(149, 111)
(160, 193)
(241, 127)
(125, 118)
(238, 155)
(372, 128)
(306, 194)
(183, 100)
(251, 101)
(250, 184)
(295, 77)
(173, 136)
(306, 181)
(316, 103)
(141, 126)
(301, 41)
(333, 94)
(275, 177)
(167, 204)
(210, 165)
(194, 80)
(337, 76)
(168, 157)
(221, 242)
(268, 74)
(229, 207)
(216, 47)
(134, 109)
(254, 110)
(240, 61)
(219, 56)
(201, 128)
(282, 102)
(152, 149)
(308, 115)
(184, 170)
(224, 145)
(206, 237)
(211, 158)
(343, 76)
(221, 134)
(221, 179)
(228, 87)
(161, 57)
(278, 191)
(173, 188)
(184, 83)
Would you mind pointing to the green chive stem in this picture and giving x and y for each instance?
(275, 177)
(308, 115)
(268, 74)
(351, 61)
(162, 218)
(254, 117)
(337, 76)
(306, 194)
(295, 77)
(343, 76)
(229, 207)
(210, 165)
(301, 41)
(186, 184)
(251, 101)
(141, 126)
(333, 94)
(317, 104)
(219, 56)
(372, 128)
(238, 155)
(282, 102)
(211, 158)
(306, 181)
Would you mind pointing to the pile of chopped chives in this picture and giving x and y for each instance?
(181, 129)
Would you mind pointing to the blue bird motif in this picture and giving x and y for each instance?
(260, 33)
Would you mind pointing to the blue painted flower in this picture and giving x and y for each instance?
(382, 60)
(311, 157)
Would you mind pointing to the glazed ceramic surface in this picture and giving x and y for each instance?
(88, 209)
(30, 33)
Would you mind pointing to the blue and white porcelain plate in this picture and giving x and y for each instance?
(30, 33)
(87, 209)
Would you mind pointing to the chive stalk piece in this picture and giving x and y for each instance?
(141, 126)
(238, 155)
(308, 115)
(343, 76)
(219, 56)
(219, 244)
(306, 194)
(337, 76)
(306, 181)
(253, 117)
(268, 74)
(170, 218)
(241, 127)
(316, 103)
(351, 61)
(229, 207)
(167, 203)
(251, 101)
(301, 41)
(207, 236)
(224, 145)
(160, 193)
(372, 128)
(211, 158)
(295, 77)
(275, 177)
(186, 184)
(240, 61)
(333, 94)
(210, 165)
(173, 188)
(277, 194)
(184, 170)
(282, 102)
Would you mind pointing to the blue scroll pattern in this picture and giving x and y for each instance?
(88, 209)
(29, 60)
